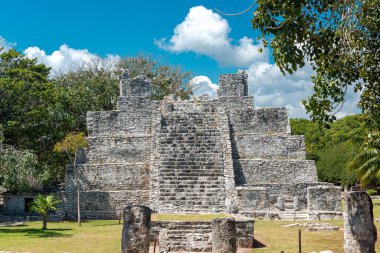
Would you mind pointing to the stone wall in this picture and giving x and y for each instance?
(118, 149)
(324, 197)
(232, 85)
(107, 188)
(138, 86)
(118, 123)
(232, 104)
(16, 203)
(256, 171)
(263, 120)
(253, 198)
(141, 104)
(267, 197)
(268, 146)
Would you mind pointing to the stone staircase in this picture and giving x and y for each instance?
(189, 236)
(191, 174)
(196, 236)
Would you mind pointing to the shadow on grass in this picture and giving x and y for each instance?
(38, 233)
(109, 224)
(258, 245)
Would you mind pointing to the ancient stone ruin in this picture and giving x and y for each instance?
(135, 236)
(197, 156)
(360, 233)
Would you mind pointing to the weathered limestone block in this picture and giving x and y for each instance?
(263, 120)
(360, 232)
(233, 104)
(244, 233)
(136, 230)
(233, 85)
(113, 123)
(296, 203)
(323, 197)
(256, 171)
(135, 103)
(138, 86)
(280, 203)
(253, 198)
(224, 235)
(268, 146)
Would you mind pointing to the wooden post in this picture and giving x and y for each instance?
(154, 247)
(299, 241)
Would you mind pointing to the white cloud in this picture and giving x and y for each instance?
(66, 58)
(6, 45)
(207, 33)
(203, 85)
(271, 88)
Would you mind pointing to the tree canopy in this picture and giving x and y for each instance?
(340, 39)
(39, 108)
(333, 149)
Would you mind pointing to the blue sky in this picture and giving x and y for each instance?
(184, 32)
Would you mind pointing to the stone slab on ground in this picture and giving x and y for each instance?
(151, 250)
(313, 226)
(11, 224)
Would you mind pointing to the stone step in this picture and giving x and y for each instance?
(184, 194)
(193, 202)
(193, 143)
(178, 192)
(192, 209)
(165, 132)
(184, 207)
(181, 186)
(189, 154)
(188, 150)
(183, 172)
(186, 131)
(194, 167)
(191, 181)
(190, 175)
(198, 163)
(191, 178)
(189, 160)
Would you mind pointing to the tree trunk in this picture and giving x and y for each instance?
(44, 221)
(78, 187)
(78, 204)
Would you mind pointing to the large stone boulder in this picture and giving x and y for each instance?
(359, 230)
(136, 230)
(223, 235)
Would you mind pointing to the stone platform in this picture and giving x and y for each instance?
(195, 236)
(197, 156)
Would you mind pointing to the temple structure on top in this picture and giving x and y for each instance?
(197, 156)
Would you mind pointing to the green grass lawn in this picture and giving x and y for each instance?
(104, 236)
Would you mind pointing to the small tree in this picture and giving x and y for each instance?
(43, 204)
(71, 145)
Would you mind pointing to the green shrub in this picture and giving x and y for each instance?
(371, 192)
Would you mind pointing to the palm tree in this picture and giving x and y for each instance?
(367, 162)
(43, 204)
